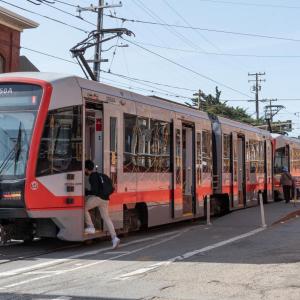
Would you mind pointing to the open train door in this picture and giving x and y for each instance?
(113, 159)
(184, 175)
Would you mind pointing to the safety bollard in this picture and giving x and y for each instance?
(208, 210)
(262, 211)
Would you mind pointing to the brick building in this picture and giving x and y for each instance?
(11, 26)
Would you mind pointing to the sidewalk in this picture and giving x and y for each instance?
(275, 213)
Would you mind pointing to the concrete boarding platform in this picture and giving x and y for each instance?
(275, 212)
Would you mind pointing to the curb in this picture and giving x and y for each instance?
(290, 216)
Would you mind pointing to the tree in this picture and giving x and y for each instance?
(214, 106)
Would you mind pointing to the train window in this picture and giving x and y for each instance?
(160, 146)
(144, 137)
(295, 161)
(113, 147)
(253, 155)
(61, 143)
(226, 153)
(281, 159)
(198, 158)
(130, 143)
(146, 145)
(206, 151)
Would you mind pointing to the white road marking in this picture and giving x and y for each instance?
(89, 253)
(94, 263)
(187, 255)
(62, 298)
(116, 252)
(42, 272)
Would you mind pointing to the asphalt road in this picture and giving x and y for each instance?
(234, 258)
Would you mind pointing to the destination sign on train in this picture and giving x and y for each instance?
(12, 95)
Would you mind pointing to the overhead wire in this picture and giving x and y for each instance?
(68, 13)
(154, 90)
(252, 4)
(142, 80)
(49, 55)
(153, 15)
(188, 24)
(66, 3)
(148, 81)
(130, 87)
(46, 17)
(187, 68)
(217, 53)
(206, 29)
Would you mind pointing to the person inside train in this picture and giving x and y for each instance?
(287, 182)
(98, 196)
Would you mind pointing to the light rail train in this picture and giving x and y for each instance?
(164, 158)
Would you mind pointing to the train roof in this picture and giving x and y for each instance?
(243, 126)
(54, 78)
(286, 139)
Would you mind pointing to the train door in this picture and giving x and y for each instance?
(94, 147)
(234, 173)
(268, 193)
(176, 204)
(188, 169)
(241, 174)
(94, 134)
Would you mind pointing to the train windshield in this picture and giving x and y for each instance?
(18, 108)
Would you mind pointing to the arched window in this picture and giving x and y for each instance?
(2, 64)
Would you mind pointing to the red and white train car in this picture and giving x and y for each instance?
(51, 123)
(164, 158)
(242, 169)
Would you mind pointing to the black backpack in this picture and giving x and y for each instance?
(106, 186)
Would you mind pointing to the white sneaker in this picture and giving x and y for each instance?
(89, 230)
(116, 243)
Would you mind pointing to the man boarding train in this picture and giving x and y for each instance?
(98, 196)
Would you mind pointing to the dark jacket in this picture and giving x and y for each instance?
(96, 187)
(286, 179)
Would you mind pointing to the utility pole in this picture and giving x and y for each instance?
(257, 89)
(98, 46)
(198, 95)
(97, 36)
(273, 109)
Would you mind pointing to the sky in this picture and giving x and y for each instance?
(186, 58)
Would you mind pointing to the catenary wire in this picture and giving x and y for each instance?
(188, 24)
(65, 3)
(155, 90)
(148, 81)
(153, 15)
(206, 29)
(49, 18)
(187, 68)
(142, 80)
(68, 13)
(217, 53)
(252, 4)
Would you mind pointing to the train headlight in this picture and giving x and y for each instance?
(11, 196)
